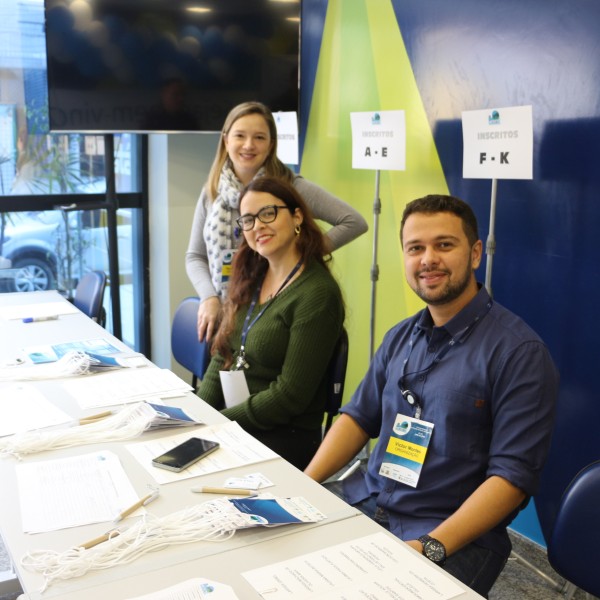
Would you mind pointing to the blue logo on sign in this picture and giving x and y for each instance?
(494, 118)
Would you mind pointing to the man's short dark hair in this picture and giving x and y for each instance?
(436, 203)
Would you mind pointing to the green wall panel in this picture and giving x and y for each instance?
(363, 66)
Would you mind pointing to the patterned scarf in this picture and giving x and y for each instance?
(219, 226)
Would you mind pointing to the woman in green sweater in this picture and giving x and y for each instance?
(282, 319)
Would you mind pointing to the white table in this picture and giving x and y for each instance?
(221, 561)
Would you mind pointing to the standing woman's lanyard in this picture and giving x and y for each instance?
(410, 396)
(241, 363)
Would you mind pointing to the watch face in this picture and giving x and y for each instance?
(434, 551)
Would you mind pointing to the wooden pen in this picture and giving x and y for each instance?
(94, 418)
(142, 502)
(220, 490)
(101, 538)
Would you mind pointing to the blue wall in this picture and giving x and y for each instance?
(478, 54)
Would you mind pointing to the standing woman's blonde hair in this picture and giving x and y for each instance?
(273, 166)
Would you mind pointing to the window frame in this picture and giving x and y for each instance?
(133, 200)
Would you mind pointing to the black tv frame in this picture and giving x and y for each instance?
(105, 69)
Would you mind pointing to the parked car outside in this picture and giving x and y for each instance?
(53, 249)
(30, 245)
(5, 282)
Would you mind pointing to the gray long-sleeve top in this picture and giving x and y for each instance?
(347, 224)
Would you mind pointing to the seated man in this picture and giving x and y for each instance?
(462, 398)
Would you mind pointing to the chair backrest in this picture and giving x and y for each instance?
(89, 295)
(573, 550)
(336, 374)
(187, 350)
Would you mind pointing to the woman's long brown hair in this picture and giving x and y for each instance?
(249, 267)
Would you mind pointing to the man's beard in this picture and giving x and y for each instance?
(450, 291)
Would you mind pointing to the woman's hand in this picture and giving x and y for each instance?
(208, 318)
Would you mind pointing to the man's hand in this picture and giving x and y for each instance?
(487, 506)
(416, 544)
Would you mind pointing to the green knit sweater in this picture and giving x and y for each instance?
(288, 350)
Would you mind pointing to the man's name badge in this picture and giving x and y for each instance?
(406, 449)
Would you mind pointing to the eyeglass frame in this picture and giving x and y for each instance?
(276, 207)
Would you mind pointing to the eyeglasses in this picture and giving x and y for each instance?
(267, 214)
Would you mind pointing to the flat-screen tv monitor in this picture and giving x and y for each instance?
(167, 65)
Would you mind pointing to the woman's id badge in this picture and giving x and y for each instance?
(227, 258)
(235, 387)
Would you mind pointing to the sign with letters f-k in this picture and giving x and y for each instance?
(498, 143)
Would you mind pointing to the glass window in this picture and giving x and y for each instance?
(43, 163)
(53, 216)
(33, 161)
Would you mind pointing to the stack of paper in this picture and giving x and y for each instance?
(50, 353)
(170, 416)
(123, 386)
(192, 589)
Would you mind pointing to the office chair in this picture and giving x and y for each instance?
(573, 551)
(89, 295)
(336, 376)
(187, 350)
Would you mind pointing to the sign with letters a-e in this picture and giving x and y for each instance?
(498, 143)
(379, 140)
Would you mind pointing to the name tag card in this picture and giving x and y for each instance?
(498, 143)
(235, 387)
(379, 140)
(406, 450)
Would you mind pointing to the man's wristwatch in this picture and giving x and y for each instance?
(433, 549)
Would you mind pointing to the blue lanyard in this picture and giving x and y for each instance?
(411, 397)
(241, 360)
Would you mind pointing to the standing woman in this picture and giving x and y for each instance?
(248, 149)
(282, 318)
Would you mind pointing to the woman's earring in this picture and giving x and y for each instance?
(297, 230)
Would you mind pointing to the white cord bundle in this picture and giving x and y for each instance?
(128, 423)
(74, 362)
(212, 521)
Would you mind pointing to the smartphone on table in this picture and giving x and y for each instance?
(186, 454)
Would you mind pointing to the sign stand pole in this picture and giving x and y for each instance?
(497, 144)
(374, 265)
(378, 142)
(490, 244)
